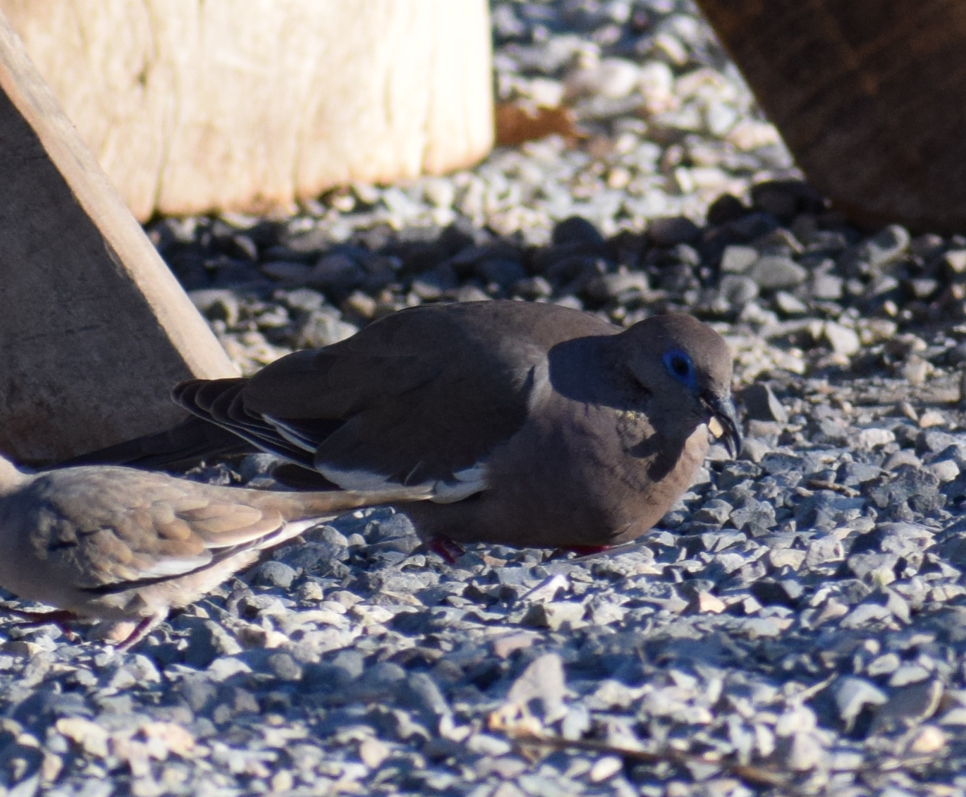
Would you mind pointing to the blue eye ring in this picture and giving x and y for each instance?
(680, 366)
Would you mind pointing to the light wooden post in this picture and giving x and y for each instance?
(250, 105)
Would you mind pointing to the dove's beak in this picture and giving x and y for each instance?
(723, 421)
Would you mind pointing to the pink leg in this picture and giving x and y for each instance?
(141, 630)
(448, 550)
(58, 617)
(588, 550)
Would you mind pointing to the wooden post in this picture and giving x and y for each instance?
(250, 105)
(868, 95)
(94, 329)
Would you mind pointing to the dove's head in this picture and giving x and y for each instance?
(686, 368)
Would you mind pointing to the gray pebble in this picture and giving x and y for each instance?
(275, 574)
(670, 231)
(852, 695)
(777, 272)
(762, 404)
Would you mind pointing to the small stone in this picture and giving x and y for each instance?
(886, 245)
(656, 84)
(908, 706)
(555, 615)
(503, 272)
(275, 574)
(725, 208)
(488, 745)
(706, 603)
(936, 441)
(293, 273)
(804, 752)
(422, 694)
(541, 681)
(577, 231)
(755, 450)
(777, 272)
(533, 288)
(762, 404)
(738, 259)
(623, 287)
(673, 230)
(506, 769)
(217, 304)
(284, 667)
(209, 640)
(903, 456)
(873, 568)
(612, 78)
(605, 768)
(911, 673)
(505, 645)
(439, 192)
(823, 550)
(737, 291)
(786, 592)
(930, 419)
(826, 287)
(790, 305)
(360, 304)
(90, 736)
(852, 695)
(577, 722)
(955, 261)
(874, 438)
(322, 327)
(927, 740)
(765, 627)
(337, 271)
(786, 557)
(785, 198)
(310, 592)
(915, 370)
(378, 681)
(842, 340)
(373, 752)
(884, 665)
(946, 470)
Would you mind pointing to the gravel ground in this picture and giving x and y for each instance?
(796, 624)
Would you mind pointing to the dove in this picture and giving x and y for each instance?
(121, 544)
(529, 425)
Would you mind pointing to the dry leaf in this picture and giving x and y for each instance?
(517, 123)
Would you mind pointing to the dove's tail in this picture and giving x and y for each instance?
(177, 448)
(331, 503)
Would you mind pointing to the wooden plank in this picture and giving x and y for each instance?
(94, 329)
(251, 105)
(867, 95)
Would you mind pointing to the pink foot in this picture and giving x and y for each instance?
(58, 617)
(144, 627)
(448, 550)
(588, 550)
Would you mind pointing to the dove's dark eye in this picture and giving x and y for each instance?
(680, 366)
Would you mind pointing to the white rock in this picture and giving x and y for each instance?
(842, 339)
(874, 437)
(946, 470)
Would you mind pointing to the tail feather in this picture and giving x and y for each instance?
(335, 502)
(176, 448)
